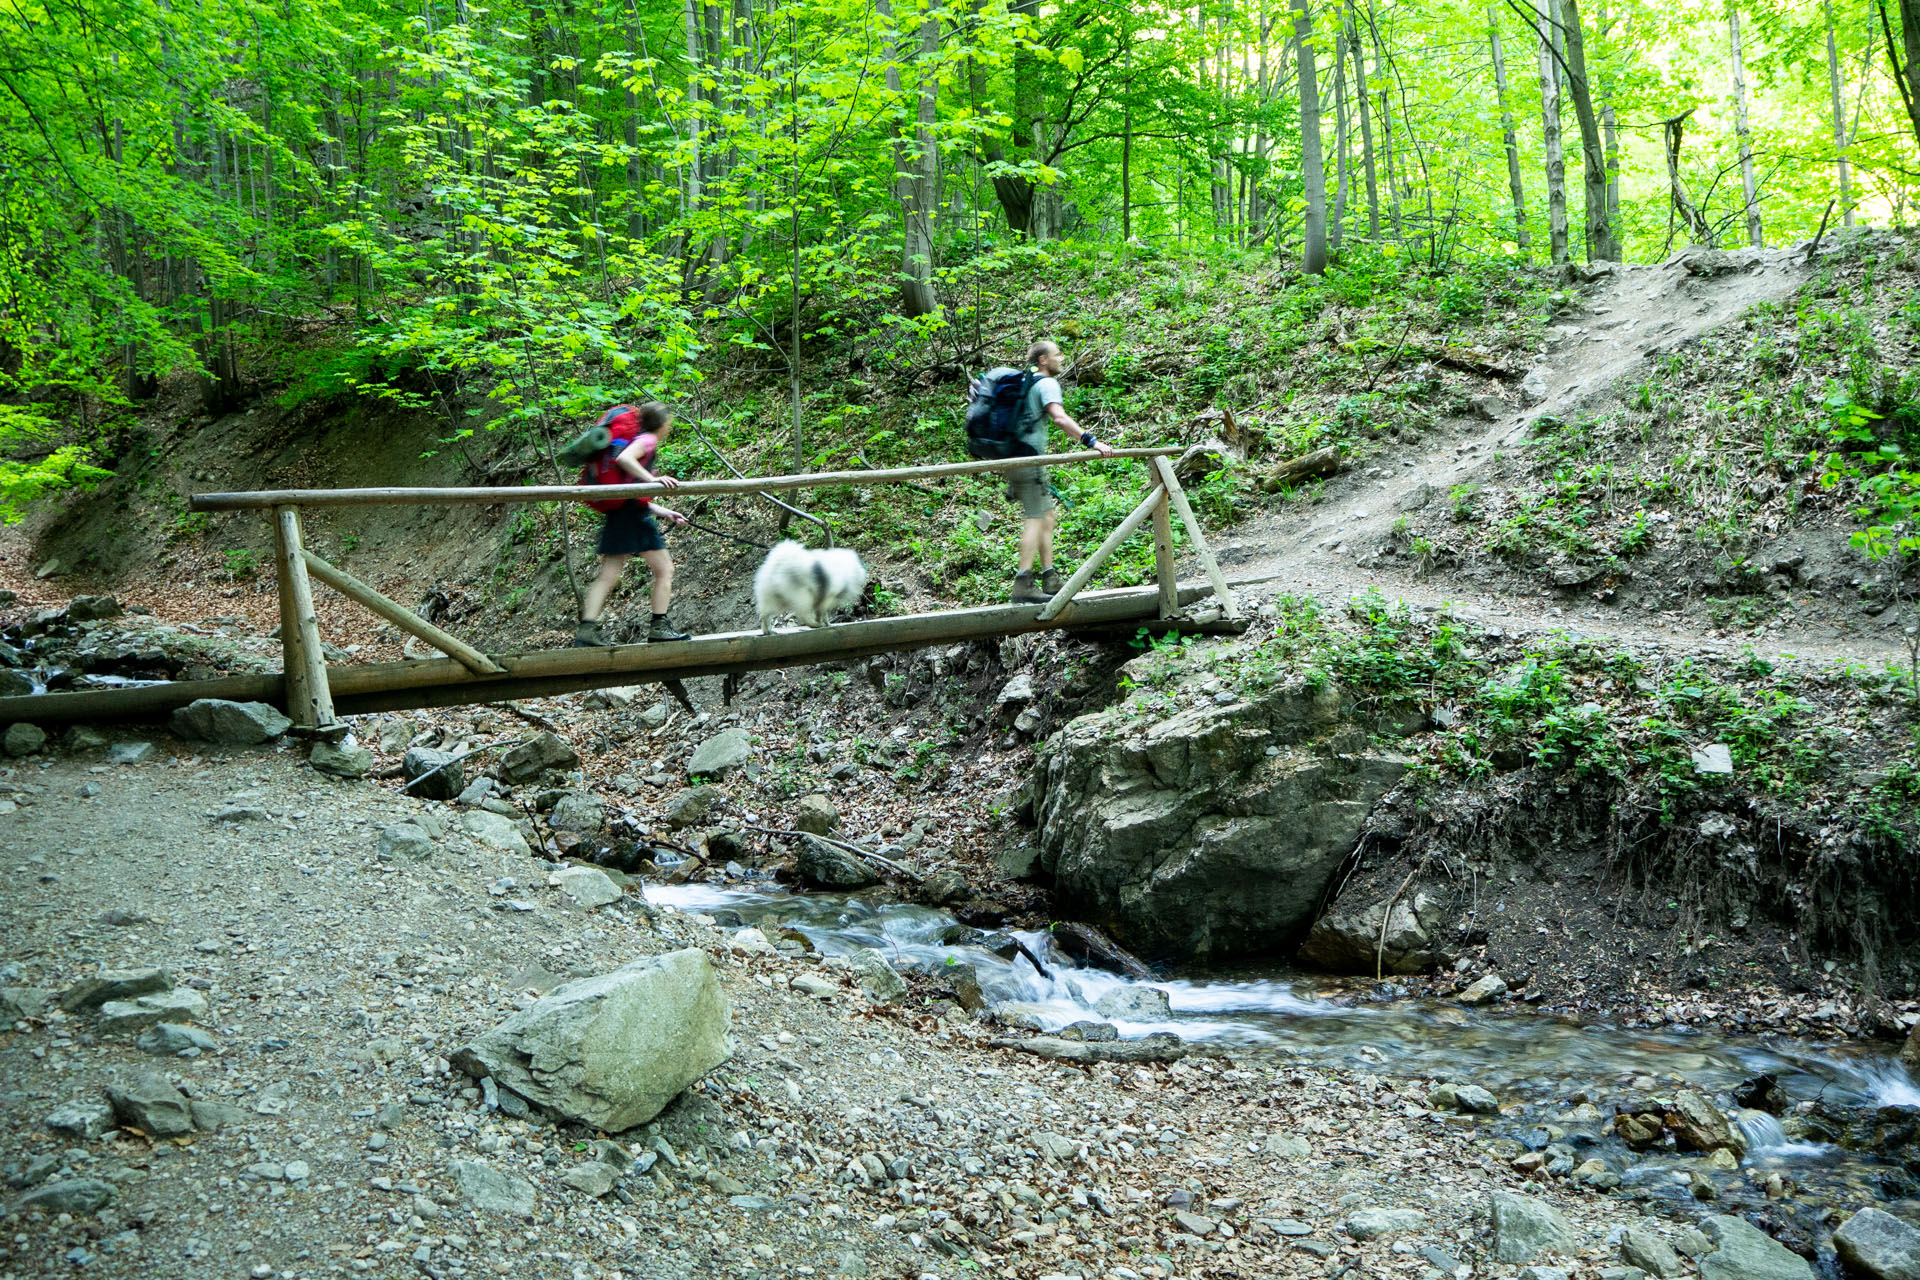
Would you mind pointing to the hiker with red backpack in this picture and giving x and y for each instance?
(1007, 417)
(635, 435)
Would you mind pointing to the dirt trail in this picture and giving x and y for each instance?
(1324, 549)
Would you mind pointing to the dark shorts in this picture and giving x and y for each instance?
(629, 531)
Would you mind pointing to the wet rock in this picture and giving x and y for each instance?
(405, 841)
(83, 1121)
(448, 773)
(877, 978)
(1698, 1125)
(724, 753)
(1373, 1223)
(816, 815)
(535, 756)
(612, 1050)
(945, 887)
(1090, 946)
(1641, 1247)
(228, 724)
(586, 886)
(1744, 1252)
(1882, 1246)
(152, 1106)
(15, 684)
(1910, 1051)
(23, 740)
(1135, 1004)
(491, 1191)
(1215, 830)
(827, 866)
(1470, 1099)
(691, 807)
(113, 984)
(1090, 1032)
(69, 1195)
(1525, 1228)
(340, 759)
(966, 986)
(1762, 1093)
(578, 813)
(1485, 990)
(1348, 938)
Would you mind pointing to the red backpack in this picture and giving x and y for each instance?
(623, 425)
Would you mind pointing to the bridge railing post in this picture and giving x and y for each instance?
(303, 659)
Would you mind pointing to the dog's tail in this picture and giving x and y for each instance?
(822, 586)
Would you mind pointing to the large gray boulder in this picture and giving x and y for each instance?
(152, 1106)
(1212, 831)
(1745, 1252)
(1525, 1228)
(827, 866)
(228, 724)
(720, 755)
(535, 756)
(1879, 1244)
(612, 1050)
(449, 773)
(1349, 937)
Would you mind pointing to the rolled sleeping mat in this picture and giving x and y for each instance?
(585, 447)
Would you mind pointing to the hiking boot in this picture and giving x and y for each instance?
(587, 636)
(1027, 591)
(662, 629)
(1051, 582)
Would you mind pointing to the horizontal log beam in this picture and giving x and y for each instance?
(603, 492)
(392, 686)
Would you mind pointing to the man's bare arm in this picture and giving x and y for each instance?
(1058, 413)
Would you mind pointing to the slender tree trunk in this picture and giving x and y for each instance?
(1017, 196)
(1740, 126)
(1386, 156)
(1690, 216)
(1841, 165)
(1126, 173)
(1518, 191)
(1312, 167)
(1550, 130)
(1601, 243)
(1366, 122)
(1337, 228)
(692, 29)
(914, 175)
(1907, 77)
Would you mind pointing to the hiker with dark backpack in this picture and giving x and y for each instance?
(634, 437)
(1007, 415)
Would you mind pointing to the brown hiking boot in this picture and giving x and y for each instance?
(1027, 591)
(1051, 582)
(587, 636)
(663, 629)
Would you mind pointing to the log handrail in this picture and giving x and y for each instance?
(602, 492)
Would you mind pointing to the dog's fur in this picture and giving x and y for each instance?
(812, 586)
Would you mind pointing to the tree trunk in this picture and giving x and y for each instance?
(1386, 158)
(1906, 77)
(1366, 122)
(1507, 134)
(1337, 229)
(692, 17)
(1844, 169)
(1740, 127)
(1690, 216)
(1601, 244)
(1016, 194)
(922, 184)
(1312, 167)
(1550, 131)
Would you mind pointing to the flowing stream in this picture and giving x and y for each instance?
(1539, 1066)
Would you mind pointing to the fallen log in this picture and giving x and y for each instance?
(1090, 946)
(1162, 1046)
(1311, 466)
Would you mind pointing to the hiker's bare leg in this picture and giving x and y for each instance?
(611, 567)
(1032, 533)
(660, 565)
(1047, 524)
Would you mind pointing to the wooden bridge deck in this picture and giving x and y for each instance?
(442, 682)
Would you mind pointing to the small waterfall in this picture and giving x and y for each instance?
(1762, 1131)
(1891, 1086)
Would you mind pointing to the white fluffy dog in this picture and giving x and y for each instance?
(812, 586)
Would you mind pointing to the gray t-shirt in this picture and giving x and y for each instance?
(1033, 417)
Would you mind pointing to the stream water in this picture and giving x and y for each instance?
(1538, 1065)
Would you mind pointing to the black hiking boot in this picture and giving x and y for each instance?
(662, 629)
(1027, 591)
(1051, 582)
(587, 636)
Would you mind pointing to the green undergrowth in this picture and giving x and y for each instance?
(1802, 413)
(1162, 352)
(1844, 741)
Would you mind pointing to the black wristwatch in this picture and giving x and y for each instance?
(1088, 440)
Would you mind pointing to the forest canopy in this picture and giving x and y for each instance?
(541, 207)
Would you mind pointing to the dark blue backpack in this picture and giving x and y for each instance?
(996, 401)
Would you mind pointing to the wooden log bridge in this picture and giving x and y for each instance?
(315, 695)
